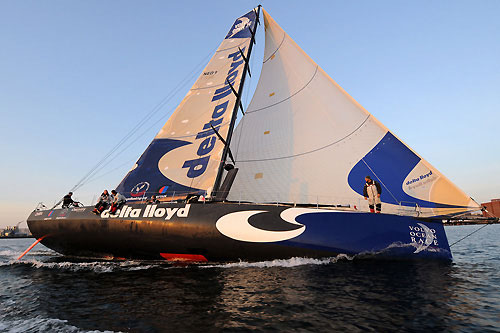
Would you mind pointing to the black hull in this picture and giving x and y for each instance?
(183, 231)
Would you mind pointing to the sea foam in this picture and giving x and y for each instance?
(292, 262)
(41, 324)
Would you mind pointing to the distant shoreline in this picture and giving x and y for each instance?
(470, 222)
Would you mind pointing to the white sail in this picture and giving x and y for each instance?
(305, 140)
(184, 156)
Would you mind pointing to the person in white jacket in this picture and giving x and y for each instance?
(372, 192)
(118, 201)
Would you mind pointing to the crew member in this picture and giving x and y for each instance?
(67, 200)
(153, 200)
(372, 191)
(118, 201)
(103, 203)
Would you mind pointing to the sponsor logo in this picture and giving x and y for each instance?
(236, 226)
(38, 213)
(150, 211)
(163, 189)
(62, 215)
(240, 24)
(422, 237)
(422, 177)
(79, 210)
(50, 214)
(139, 190)
(207, 137)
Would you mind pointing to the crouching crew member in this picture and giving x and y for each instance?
(103, 203)
(118, 201)
(372, 191)
(153, 200)
(67, 200)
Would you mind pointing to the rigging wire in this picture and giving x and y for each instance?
(148, 116)
(381, 182)
(247, 102)
(472, 233)
(108, 172)
(147, 131)
(120, 152)
(99, 165)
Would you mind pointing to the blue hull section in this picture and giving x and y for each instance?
(380, 234)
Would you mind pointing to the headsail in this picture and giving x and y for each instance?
(184, 156)
(305, 140)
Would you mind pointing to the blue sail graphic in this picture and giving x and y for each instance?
(390, 162)
(147, 173)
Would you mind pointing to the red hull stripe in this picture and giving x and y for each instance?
(183, 257)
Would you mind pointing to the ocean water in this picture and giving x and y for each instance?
(47, 292)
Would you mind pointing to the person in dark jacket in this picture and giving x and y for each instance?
(372, 191)
(67, 200)
(153, 200)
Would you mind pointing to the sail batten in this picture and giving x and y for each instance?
(305, 140)
(307, 152)
(291, 96)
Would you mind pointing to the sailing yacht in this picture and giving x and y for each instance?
(285, 181)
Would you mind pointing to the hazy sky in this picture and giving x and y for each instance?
(77, 76)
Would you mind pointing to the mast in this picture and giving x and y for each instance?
(226, 150)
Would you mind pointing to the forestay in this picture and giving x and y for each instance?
(305, 140)
(184, 156)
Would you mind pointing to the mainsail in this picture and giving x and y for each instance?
(304, 140)
(184, 156)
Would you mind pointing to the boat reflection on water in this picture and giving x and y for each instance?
(345, 296)
(308, 294)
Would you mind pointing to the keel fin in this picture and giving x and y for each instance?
(184, 257)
